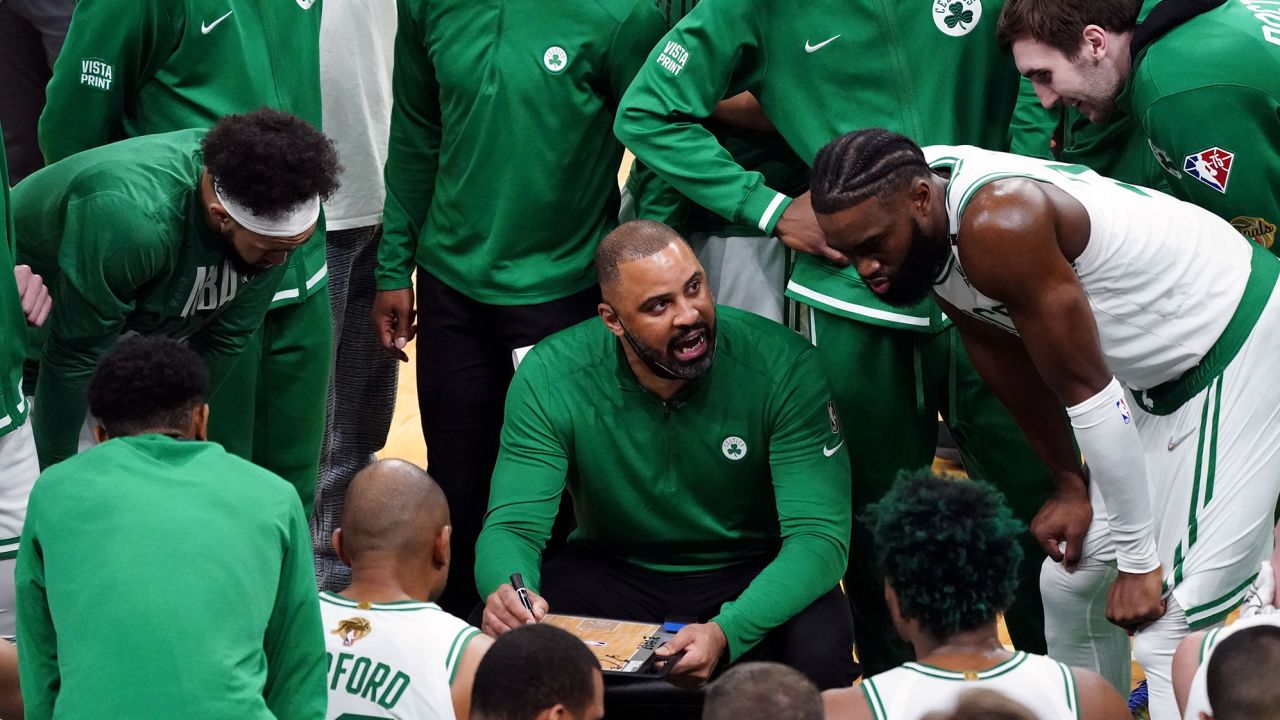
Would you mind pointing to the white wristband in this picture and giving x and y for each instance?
(1105, 429)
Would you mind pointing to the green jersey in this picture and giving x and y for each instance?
(118, 233)
(163, 578)
(501, 168)
(1205, 89)
(13, 322)
(140, 67)
(812, 71)
(746, 463)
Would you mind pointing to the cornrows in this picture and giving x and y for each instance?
(863, 164)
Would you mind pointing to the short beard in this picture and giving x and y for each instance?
(665, 365)
(241, 266)
(920, 268)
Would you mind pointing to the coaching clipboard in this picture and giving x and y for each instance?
(622, 647)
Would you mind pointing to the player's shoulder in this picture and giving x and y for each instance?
(757, 343)
(585, 346)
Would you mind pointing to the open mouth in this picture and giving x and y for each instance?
(878, 286)
(691, 346)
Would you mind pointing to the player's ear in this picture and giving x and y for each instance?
(442, 549)
(100, 434)
(556, 712)
(610, 319)
(338, 548)
(200, 422)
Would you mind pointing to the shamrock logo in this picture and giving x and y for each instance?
(734, 447)
(958, 16)
(555, 58)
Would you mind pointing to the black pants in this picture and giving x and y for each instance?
(464, 368)
(818, 642)
(31, 35)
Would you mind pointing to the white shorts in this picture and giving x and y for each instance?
(19, 469)
(1213, 467)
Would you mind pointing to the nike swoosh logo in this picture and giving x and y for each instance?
(206, 29)
(815, 48)
(306, 4)
(1175, 443)
(831, 451)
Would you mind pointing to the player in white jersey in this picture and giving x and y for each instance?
(392, 652)
(1152, 321)
(950, 555)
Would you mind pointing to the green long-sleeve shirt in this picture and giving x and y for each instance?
(501, 167)
(163, 578)
(140, 67)
(932, 71)
(1207, 96)
(119, 235)
(747, 463)
(13, 322)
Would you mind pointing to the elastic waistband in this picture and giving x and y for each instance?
(1164, 399)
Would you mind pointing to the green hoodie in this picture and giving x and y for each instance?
(13, 322)
(1205, 89)
(139, 67)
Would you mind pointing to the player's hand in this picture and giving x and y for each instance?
(393, 320)
(798, 229)
(703, 644)
(503, 611)
(36, 301)
(1062, 523)
(1135, 600)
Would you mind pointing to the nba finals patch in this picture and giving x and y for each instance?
(351, 630)
(1211, 167)
(1256, 229)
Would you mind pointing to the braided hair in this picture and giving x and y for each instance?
(864, 164)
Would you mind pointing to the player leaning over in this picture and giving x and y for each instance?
(183, 234)
(1065, 285)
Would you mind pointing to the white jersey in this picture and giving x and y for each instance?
(1163, 277)
(391, 660)
(1197, 696)
(911, 690)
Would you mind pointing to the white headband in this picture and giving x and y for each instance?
(291, 223)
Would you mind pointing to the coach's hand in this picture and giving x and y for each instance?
(36, 302)
(1062, 523)
(1135, 600)
(798, 229)
(393, 320)
(503, 611)
(703, 644)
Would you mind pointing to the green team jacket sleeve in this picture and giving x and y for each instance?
(294, 643)
(1241, 120)
(93, 296)
(814, 510)
(38, 660)
(528, 481)
(221, 341)
(659, 118)
(413, 150)
(113, 47)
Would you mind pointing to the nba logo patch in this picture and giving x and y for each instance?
(1123, 407)
(1211, 167)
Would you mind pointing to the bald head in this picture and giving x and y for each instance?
(635, 240)
(393, 507)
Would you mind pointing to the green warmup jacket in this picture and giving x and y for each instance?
(938, 76)
(759, 151)
(1205, 88)
(501, 168)
(746, 463)
(140, 67)
(119, 235)
(164, 578)
(13, 322)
